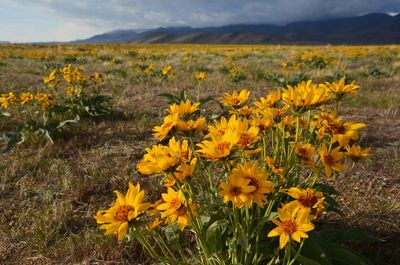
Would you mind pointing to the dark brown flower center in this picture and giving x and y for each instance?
(302, 152)
(122, 213)
(175, 203)
(244, 140)
(337, 128)
(329, 160)
(289, 226)
(307, 199)
(223, 147)
(253, 182)
(235, 101)
(236, 190)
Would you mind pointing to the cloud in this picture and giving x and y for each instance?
(93, 16)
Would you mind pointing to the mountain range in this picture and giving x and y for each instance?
(366, 29)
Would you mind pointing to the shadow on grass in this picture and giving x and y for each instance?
(385, 250)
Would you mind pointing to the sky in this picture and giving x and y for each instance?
(66, 20)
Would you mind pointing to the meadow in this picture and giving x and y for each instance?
(50, 192)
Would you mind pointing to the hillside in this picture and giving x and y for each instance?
(367, 29)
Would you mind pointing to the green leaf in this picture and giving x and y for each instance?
(347, 256)
(243, 239)
(214, 233)
(326, 189)
(171, 98)
(205, 100)
(12, 141)
(306, 261)
(325, 251)
(316, 250)
(342, 235)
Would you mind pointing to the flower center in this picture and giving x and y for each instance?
(235, 101)
(175, 203)
(307, 199)
(329, 160)
(244, 140)
(122, 213)
(337, 128)
(253, 182)
(235, 190)
(302, 152)
(289, 226)
(222, 147)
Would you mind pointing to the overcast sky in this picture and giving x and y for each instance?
(64, 20)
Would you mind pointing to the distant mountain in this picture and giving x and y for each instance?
(4, 42)
(367, 29)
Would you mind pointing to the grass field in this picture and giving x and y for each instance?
(50, 192)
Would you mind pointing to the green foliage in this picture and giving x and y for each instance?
(38, 120)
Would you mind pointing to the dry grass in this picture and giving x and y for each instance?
(49, 193)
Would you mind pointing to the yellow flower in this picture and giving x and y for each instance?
(305, 94)
(340, 89)
(161, 132)
(184, 108)
(355, 152)
(149, 69)
(331, 160)
(292, 224)
(73, 91)
(248, 135)
(235, 99)
(160, 158)
(344, 132)
(125, 209)
(26, 97)
(7, 99)
(166, 70)
(243, 111)
(52, 79)
(275, 114)
(326, 117)
(190, 125)
(274, 167)
(201, 76)
(258, 179)
(185, 169)
(219, 147)
(305, 152)
(176, 209)
(305, 199)
(219, 128)
(262, 123)
(237, 190)
(45, 99)
(273, 98)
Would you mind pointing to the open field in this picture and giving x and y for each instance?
(49, 193)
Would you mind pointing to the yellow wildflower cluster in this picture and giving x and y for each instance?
(45, 100)
(68, 95)
(74, 78)
(256, 167)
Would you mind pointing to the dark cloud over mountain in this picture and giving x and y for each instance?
(200, 13)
